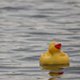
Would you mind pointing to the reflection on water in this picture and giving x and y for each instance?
(55, 71)
(26, 28)
(54, 67)
(55, 75)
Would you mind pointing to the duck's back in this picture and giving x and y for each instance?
(45, 58)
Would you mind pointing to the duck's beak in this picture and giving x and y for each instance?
(58, 46)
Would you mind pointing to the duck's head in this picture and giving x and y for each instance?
(54, 47)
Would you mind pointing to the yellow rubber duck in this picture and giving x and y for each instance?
(54, 57)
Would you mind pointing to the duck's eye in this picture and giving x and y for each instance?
(58, 46)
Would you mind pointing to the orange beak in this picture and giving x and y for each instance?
(58, 46)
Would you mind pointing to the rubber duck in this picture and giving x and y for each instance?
(54, 58)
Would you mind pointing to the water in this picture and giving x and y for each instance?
(27, 27)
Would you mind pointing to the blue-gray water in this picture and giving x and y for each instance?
(26, 28)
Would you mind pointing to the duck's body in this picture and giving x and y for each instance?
(58, 58)
(54, 57)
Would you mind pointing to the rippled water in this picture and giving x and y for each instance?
(27, 27)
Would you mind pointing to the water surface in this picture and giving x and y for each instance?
(27, 27)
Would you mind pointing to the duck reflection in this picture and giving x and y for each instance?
(55, 75)
(55, 71)
(53, 79)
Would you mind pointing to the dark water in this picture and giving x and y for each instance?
(26, 28)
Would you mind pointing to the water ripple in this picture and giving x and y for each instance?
(27, 27)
